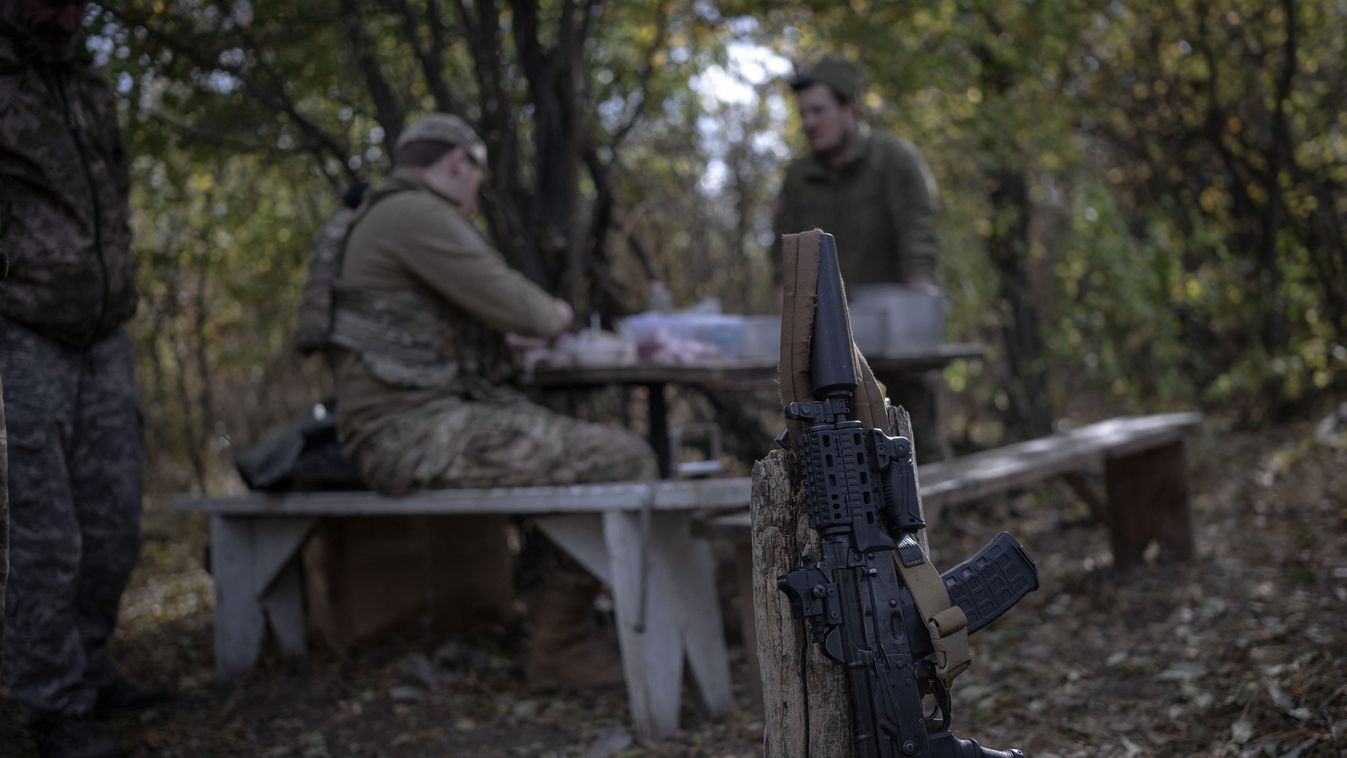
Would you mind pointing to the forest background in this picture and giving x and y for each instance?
(1142, 203)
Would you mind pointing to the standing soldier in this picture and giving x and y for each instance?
(76, 453)
(876, 195)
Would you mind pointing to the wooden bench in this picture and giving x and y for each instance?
(1142, 458)
(635, 537)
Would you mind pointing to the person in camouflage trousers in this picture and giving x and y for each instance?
(73, 414)
(424, 394)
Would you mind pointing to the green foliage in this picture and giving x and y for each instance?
(1185, 165)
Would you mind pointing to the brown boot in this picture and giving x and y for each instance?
(564, 650)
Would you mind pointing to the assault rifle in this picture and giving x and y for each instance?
(871, 600)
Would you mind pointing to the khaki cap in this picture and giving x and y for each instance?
(449, 129)
(838, 72)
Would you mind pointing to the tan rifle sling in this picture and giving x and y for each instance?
(945, 621)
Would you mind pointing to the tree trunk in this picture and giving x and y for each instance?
(1008, 249)
(804, 699)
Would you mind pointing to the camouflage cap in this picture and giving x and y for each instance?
(449, 129)
(842, 74)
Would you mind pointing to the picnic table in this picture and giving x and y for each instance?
(656, 378)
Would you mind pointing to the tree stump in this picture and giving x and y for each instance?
(804, 695)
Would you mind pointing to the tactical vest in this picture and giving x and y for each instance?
(412, 338)
(313, 329)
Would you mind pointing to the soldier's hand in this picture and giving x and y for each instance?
(522, 344)
(565, 313)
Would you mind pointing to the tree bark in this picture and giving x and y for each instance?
(1008, 249)
(806, 713)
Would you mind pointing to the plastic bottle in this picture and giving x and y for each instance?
(661, 299)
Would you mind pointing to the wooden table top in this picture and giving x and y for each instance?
(733, 372)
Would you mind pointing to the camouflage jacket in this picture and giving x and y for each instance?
(422, 307)
(66, 268)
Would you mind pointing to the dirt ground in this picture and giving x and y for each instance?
(1241, 653)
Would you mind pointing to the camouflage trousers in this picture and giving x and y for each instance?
(503, 442)
(76, 461)
(508, 441)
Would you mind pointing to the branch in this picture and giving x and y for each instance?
(321, 144)
(431, 58)
(643, 79)
(386, 108)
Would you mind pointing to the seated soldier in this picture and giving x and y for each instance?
(421, 311)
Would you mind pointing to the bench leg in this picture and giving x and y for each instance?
(1148, 500)
(283, 605)
(743, 580)
(652, 645)
(258, 583)
(581, 536)
(239, 622)
(692, 572)
(678, 619)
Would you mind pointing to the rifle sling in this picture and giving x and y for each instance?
(946, 622)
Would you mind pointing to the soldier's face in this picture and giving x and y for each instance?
(827, 123)
(458, 177)
(472, 176)
(54, 23)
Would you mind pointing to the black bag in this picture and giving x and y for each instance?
(303, 456)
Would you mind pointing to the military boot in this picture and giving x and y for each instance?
(564, 649)
(74, 737)
(123, 695)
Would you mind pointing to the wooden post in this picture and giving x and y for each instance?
(804, 698)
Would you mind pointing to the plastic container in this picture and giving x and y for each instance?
(597, 349)
(762, 338)
(723, 332)
(892, 319)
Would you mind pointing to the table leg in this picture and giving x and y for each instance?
(659, 429)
